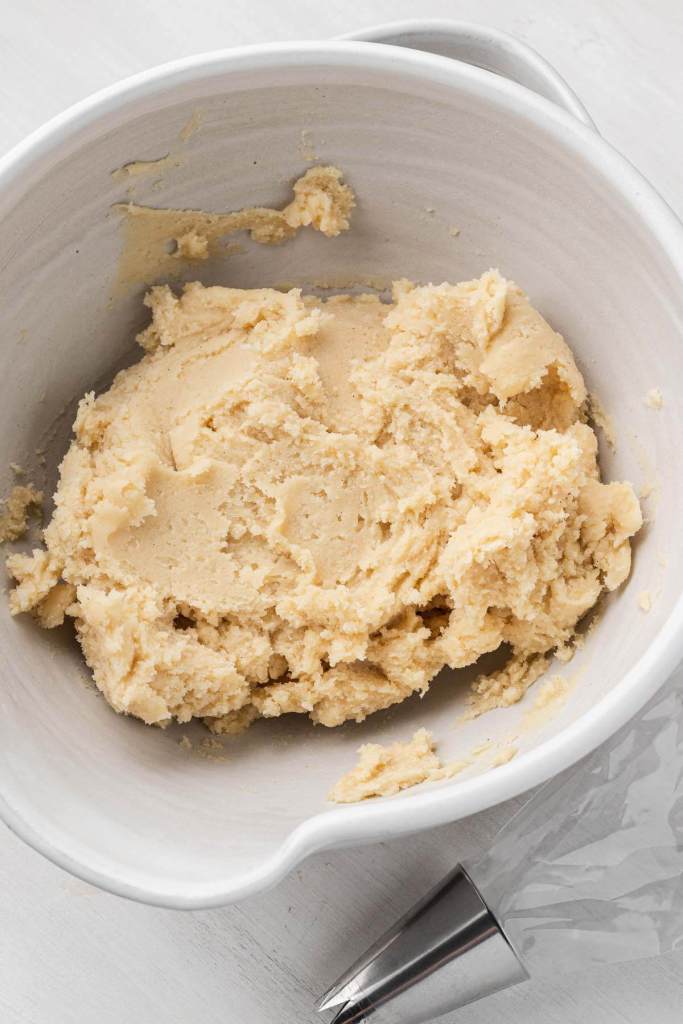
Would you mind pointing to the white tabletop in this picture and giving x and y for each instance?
(70, 954)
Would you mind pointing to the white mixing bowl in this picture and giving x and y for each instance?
(533, 191)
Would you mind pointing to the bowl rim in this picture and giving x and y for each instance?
(359, 823)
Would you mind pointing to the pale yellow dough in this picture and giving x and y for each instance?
(384, 771)
(155, 239)
(15, 510)
(296, 506)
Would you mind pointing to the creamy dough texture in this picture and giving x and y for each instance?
(15, 509)
(291, 505)
(155, 239)
(384, 771)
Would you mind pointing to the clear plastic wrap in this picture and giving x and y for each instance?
(590, 870)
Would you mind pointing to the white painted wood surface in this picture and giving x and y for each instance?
(70, 954)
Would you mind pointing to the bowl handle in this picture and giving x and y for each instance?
(485, 48)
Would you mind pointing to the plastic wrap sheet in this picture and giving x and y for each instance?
(591, 869)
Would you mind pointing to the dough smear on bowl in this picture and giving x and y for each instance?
(296, 505)
(384, 771)
(156, 239)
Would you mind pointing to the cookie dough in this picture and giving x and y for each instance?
(654, 399)
(298, 506)
(155, 239)
(384, 771)
(22, 500)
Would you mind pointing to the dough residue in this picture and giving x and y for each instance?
(552, 695)
(504, 756)
(508, 685)
(654, 399)
(143, 168)
(384, 771)
(191, 126)
(154, 239)
(129, 173)
(16, 508)
(297, 506)
(603, 420)
(645, 600)
(211, 749)
(306, 146)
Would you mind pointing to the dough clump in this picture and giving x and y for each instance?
(155, 239)
(16, 508)
(384, 771)
(291, 505)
